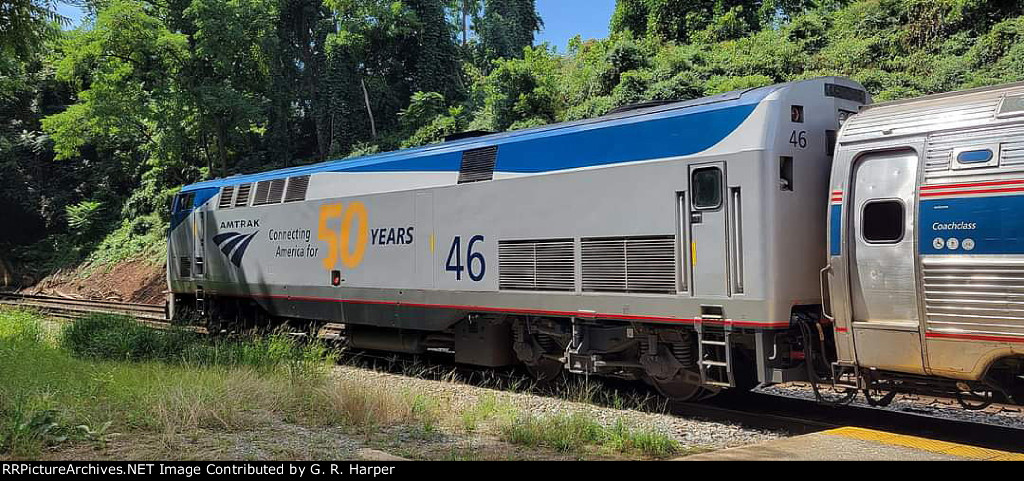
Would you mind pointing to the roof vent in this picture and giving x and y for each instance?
(478, 164)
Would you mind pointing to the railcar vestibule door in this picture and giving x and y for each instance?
(883, 289)
(709, 230)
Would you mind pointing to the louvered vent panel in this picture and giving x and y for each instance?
(537, 265)
(242, 197)
(1012, 152)
(297, 187)
(940, 146)
(974, 296)
(276, 191)
(262, 193)
(478, 164)
(185, 267)
(226, 194)
(629, 264)
(604, 264)
(651, 264)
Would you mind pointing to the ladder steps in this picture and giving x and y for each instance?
(713, 343)
(715, 363)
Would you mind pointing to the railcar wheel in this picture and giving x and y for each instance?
(882, 401)
(974, 400)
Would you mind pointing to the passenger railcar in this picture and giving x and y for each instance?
(679, 244)
(926, 245)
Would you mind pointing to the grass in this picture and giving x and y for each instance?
(108, 377)
(572, 433)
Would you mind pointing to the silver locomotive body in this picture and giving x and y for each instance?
(926, 241)
(673, 243)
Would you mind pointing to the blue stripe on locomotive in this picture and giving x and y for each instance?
(992, 224)
(625, 138)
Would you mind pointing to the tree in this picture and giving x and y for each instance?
(506, 28)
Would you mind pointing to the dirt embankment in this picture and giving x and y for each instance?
(137, 281)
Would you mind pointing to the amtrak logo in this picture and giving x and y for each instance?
(233, 245)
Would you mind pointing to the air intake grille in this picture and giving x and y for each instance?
(297, 187)
(478, 164)
(185, 267)
(537, 265)
(629, 264)
(225, 197)
(276, 191)
(242, 198)
(941, 145)
(262, 192)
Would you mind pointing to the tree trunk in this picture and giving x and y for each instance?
(366, 97)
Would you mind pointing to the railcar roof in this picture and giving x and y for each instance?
(443, 156)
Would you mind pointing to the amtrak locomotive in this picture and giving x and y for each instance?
(679, 244)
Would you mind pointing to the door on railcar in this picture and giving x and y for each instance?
(708, 230)
(883, 288)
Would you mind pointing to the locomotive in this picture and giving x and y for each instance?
(680, 244)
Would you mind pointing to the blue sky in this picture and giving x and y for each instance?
(563, 19)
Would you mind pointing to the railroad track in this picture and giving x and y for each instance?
(75, 308)
(754, 409)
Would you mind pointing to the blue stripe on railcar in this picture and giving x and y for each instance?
(835, 230)
(972, 225)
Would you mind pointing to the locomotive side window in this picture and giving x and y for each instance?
(707, 188)
(883, 222)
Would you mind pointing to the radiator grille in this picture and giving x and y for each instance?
(974, 296)
(297, 187)
(185, 266)
(629, 264)
(478, 164)
(242, 197)
(226, 197)
(537, 265)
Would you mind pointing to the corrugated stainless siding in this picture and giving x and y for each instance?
(629, 264)
(974, 296)
(912, 118)
(537, 265)
(941, 145)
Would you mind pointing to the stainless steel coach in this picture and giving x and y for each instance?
(679, 243)
(926, 243)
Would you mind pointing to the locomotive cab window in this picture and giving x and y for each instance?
(184, 202)
(882, 222)
(707, 188)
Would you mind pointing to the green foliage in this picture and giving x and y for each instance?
(572, 433)
(122, 338)
(153, 95)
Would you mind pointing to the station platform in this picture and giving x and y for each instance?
(856, 444)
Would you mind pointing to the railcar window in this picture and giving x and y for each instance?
(882, 222)
(707, 188)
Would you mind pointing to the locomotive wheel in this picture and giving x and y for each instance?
(679, 389)
(545, 370)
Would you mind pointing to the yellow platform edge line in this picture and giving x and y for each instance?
(925, 444)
